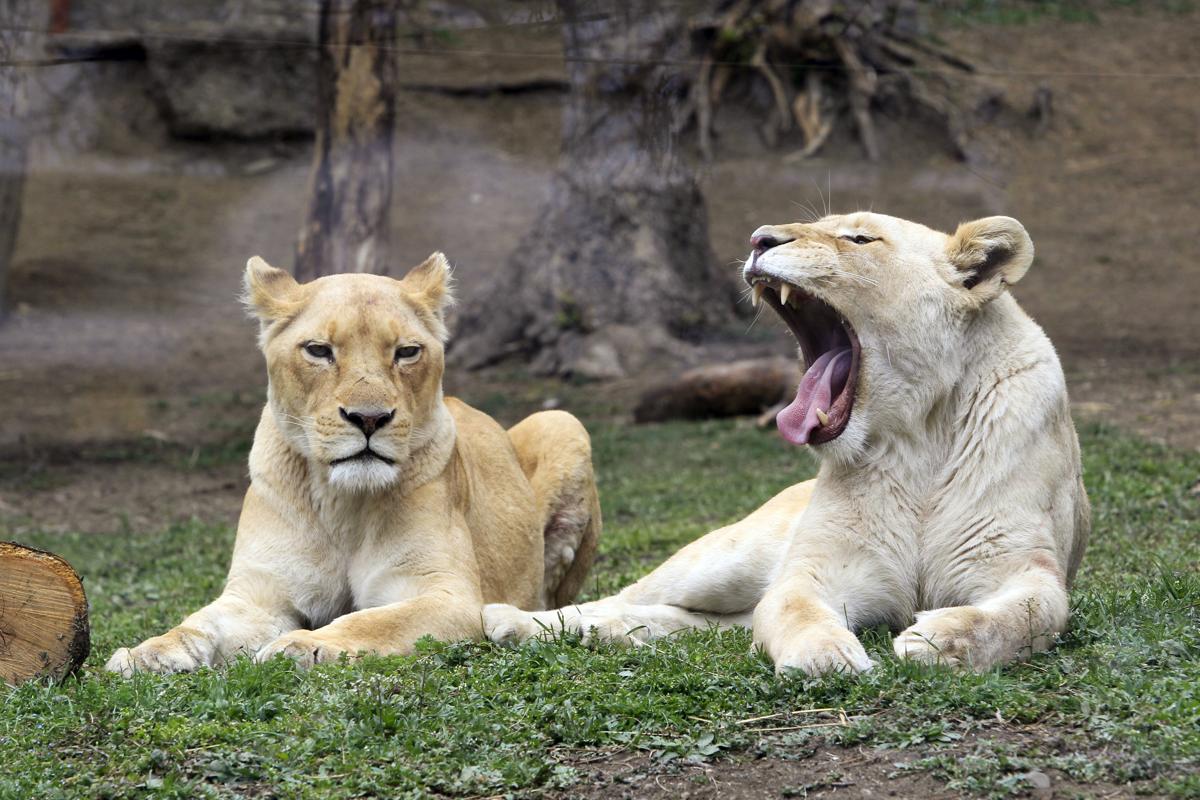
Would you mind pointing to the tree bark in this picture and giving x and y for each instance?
(18, 40)
(732, 389)
(351, 184)
(619, 268)
(44, 628)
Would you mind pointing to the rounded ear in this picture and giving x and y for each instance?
(270, 294)
(430, 284)
(990, 254)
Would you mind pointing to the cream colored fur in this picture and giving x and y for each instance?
(952, 506)
(340, 557)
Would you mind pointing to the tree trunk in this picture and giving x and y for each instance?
(351, 184)
(619, 267)
(43, 615)
(18, 40)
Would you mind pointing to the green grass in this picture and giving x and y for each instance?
(1122, 690)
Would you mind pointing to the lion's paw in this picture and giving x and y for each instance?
(615, 629)
(508, 625)
(947, 636)
(306, 648)
(822, 652)
(166, 654)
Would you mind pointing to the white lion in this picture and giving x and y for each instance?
(949, 503)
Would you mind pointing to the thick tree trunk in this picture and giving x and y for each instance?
(351, 184)
(18, 42)
(619, 267)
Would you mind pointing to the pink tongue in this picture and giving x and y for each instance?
(799, 420)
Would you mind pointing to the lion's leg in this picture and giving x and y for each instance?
(829, 585)
(391, 629)
(608, 620)
(1016, 619)
(799, 628)
(555, 454)
(716, 580)
(240, 621)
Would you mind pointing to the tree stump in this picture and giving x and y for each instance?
(43, 615)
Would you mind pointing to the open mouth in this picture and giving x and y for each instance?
(832, 354)
(366, 454)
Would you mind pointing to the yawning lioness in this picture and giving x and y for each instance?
(949, 503)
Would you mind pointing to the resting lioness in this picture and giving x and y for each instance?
(950, 483)
(379, 512)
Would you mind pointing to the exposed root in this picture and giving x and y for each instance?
(830, 56)
(813, 118)
(781, 120)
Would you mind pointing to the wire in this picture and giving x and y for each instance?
(168, 35)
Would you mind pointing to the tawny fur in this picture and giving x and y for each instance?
(951, 508)
(366, 555)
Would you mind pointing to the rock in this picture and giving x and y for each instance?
(238, 68)
(1038, 781)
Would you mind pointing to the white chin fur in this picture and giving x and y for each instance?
(363, 475)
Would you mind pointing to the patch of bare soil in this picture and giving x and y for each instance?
(105, 498)
(820, 769)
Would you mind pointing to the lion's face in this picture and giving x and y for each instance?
(879, 306)
(355, 364)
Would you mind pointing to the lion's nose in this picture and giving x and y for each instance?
(762, 242)
(367, 421)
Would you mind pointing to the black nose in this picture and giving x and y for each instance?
(763, 242)
(367, 422)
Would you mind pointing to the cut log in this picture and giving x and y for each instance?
(43, 615)
(722, 390)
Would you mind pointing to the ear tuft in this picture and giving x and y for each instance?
(270, 294)
(989, 254)
(431, 285)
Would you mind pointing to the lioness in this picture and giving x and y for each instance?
(379, 512)
(950, 484)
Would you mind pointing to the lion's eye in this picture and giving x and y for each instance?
(860, 238)
(409, 352)
(322, 351)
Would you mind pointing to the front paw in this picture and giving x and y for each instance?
(175, 651)
(306, 648)
(948, 636)
(508, 625)
(819, 651)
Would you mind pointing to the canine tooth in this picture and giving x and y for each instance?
(823, 417)
(756, 294)
(785, 289)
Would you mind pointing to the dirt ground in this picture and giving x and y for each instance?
(126, 331)
(820, 769)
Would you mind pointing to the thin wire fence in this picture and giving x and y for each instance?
(102, 36)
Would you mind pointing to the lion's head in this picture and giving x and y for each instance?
(882, 309)
(355, 366)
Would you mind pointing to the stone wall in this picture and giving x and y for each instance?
(236, 68)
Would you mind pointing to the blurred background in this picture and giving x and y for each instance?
(593, 170)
